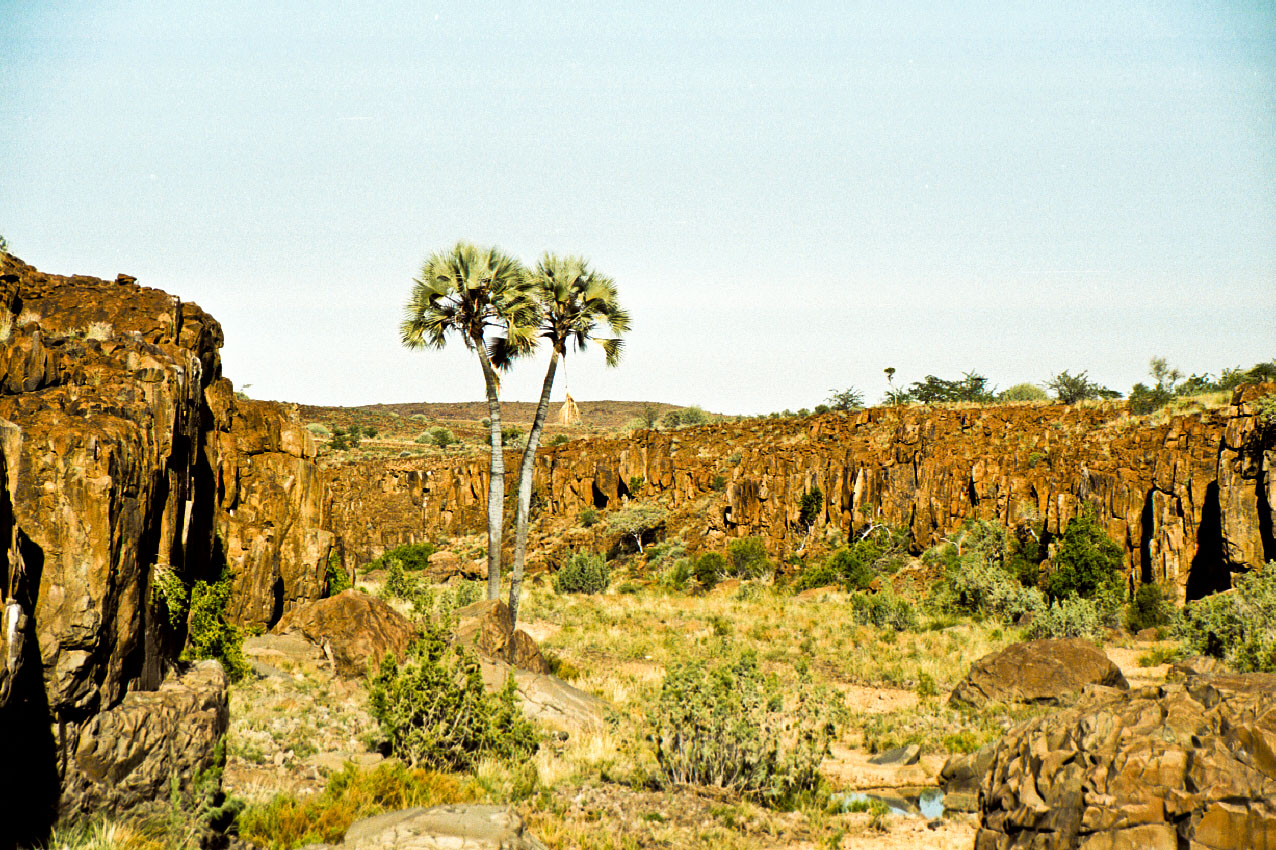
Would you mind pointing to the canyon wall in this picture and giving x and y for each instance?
(1191, 498)
(127, 458)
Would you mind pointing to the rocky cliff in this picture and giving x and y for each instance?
(1191, 498)
(126, 459)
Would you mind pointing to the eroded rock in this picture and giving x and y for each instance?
(1037, 671)
(470, 826)
(357, 629)
(1182, 765)
(487, 627)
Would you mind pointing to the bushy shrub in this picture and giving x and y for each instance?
(747, 557)
(583, 573)
(319, 430)
(439, 436)
(1144, 399)
(559, 440)
(435, 712)
(728, 726)
(588, 517)
(678, 574)
(988, 571)
(411, 557)
(1070, 389)
(1149, 609)
(884, 610)
(338, 579)
(810, 506)
(1086, 562)
(1023, 392)
(210, 636)
(709, 569)
(855, 565)
(981, 587)
(1069, 617)
(1239, 627)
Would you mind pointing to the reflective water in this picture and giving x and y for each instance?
(926, 803)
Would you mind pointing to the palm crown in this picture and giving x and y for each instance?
(469, 290)
(575, 300)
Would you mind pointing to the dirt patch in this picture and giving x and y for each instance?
(870, 700)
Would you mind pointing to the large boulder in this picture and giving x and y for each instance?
(487, 627)
(1037, 671)
(455, 827)
(130, 755)
(546, 699)
(355, 628)
(1180, 765)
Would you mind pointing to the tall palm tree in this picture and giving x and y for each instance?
(574, 300)
(486, 298)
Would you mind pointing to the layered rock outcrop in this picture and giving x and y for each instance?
(1037, 671)
(1182, 765)
(1191, 499)
(127, 461)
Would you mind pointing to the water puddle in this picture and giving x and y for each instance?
(922, 803)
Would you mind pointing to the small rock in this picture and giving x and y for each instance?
(905, 755)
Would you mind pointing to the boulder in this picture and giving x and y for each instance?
(902, 756)
(486, 627)
(546, 699)
(1037, 671)
(964, 772)
(1179, 765)
(470, 826)
(128, 756)
(443, 567)
(356, 628)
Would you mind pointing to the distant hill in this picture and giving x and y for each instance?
(593, 414)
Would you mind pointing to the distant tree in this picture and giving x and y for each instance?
(1259, 372)
(575, 303)
(482, 296)
(847, 399)
(4, 245)
(694, 415)
(672, 419)
(972, 387)
(648, 416)
(1070, 389)
(1145, 399)
(636, 520)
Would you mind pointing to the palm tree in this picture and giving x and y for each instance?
(471, 292)
(574, 301)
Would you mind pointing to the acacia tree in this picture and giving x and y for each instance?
(574, 300)
(484, 297)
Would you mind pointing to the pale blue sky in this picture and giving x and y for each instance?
(791, 197)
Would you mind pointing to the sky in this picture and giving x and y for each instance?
(791, 197)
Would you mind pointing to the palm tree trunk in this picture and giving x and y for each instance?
(526, 468)
(496, 481)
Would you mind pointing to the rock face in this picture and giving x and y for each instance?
(487, 626)
(126, 458)
(357, 629)
(1161, 768)
(126, 756)
(440, 828)
(1037, 671)
(1191, 500)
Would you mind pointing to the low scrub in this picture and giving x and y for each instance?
(287, 821)
(854, 566)
(410, 556)
(1071, 617)
(728, 726)
(435, 713)
(583, 573)
(884, 610)
(988, 571)
(1238, 627)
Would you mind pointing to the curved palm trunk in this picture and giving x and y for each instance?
(524, 506)
(496, 482)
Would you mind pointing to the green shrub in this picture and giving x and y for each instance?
(678, 574)
(1239, 627)
(435, 712)
(747, 557)
(884, 610)
(559, 440)
(728, 726)
(1149, 609)
(338, 579)
(1144, 399)
(583, 573)
(210, 636)
(810, 506)
(635, 484)
(588, 517)
(1023, 392)
(439, 436)
(1086, 561)
(1070, 389)
(710, 569)
(168, 588)
(511, 435)
(1069, 617)
(855, 565)
(412, 557)
(319, 430)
